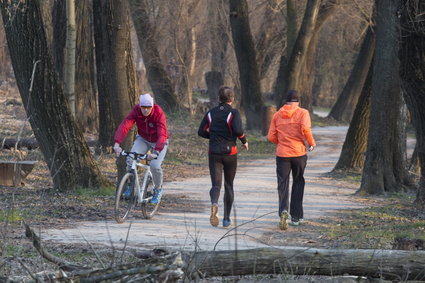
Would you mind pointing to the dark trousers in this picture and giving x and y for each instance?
(284, 166)
(220, 164)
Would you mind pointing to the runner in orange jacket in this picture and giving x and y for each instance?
(290, 129)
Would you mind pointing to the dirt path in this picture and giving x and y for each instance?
(255, 209)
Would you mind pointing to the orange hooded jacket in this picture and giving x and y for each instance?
(289, 129)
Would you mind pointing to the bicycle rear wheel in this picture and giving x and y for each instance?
(148, 209)
(123, 205)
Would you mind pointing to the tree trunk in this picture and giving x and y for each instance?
(292, 25)
(69, 64)
(157, 76)
(61, 141)
(116, 75)
(412, 73)
(86, 109)
(307, 73)
(219, 23)
(4, 57)
(252, 99)
(213, 80)
(385, 264)
(353, 150)
(379, 170)
(343, 108)
(289, 75)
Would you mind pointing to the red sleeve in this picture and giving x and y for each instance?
(125, 126)
(162, 131)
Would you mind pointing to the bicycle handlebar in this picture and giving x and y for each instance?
(134, 155)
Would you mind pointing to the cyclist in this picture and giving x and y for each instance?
(151, 133)
(222, 125)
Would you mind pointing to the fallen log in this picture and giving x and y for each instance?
(384, 264)
(9, 143)
(29, 143)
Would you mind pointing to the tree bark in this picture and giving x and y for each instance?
(385, 264)
(213, 80)
(86, 111)
(86, 108)
(69, 64)
(289, 75)
(343, 108)
(157, 76)
(292, 25)
(252, 99)
(412, 56)
(380, 170)
(219, 40)
(219, 23)
(307, 73)
(354, 147)
(116, 74)
(61, 140)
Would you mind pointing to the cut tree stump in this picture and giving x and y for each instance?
(12, 173)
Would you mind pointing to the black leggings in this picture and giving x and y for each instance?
(218, 164)
(284, 166)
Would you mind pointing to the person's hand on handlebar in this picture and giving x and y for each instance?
(153, 155)
(117, 149)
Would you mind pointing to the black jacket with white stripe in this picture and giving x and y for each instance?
(222, 125)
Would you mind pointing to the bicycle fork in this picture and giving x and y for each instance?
(144, 183)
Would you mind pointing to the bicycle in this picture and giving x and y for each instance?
(141, 192)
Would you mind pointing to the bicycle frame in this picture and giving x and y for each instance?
(134, 165)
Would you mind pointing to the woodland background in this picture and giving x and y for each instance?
(79, 66)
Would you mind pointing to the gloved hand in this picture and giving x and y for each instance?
(152, 156)
(311, 148)
(117, 149)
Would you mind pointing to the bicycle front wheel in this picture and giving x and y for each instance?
(125, 197)
(148, 209)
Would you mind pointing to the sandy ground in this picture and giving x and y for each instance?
(254, 221)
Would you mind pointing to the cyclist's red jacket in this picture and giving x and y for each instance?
(152, 128)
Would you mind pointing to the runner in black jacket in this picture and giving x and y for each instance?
(222, 125)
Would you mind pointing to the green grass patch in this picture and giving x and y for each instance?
(10, 216)
(18, 251)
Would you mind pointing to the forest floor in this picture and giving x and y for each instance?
(79, 225)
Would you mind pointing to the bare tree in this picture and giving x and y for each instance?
(381, 172)
(116, 74)
(252, 99)
(85, 92)
(219, 28)
(307, 73)
(343, 109)
(69, 64)
(289, 74)
(61, 140)
(157, 76)
(354, 147)
(412, 56)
